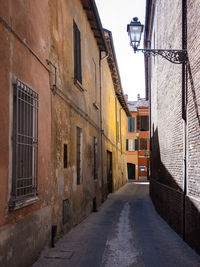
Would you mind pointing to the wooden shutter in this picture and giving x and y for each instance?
(138, 123)
(136, 144)
(147, 123)
(132, 124)
(77, 53)
(127, 144)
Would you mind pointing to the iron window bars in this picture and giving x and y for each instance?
(25, 143)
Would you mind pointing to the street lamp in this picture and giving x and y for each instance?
(135, 29)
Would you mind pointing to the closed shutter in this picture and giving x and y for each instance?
(77, 54)
(131, 124)
(136, 144)
(147, 123)
(138, 123)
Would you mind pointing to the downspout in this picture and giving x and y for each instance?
(149, 89)
(101, 124)
(184, 109)
(116, 117)
(138, 133)
(121, 128)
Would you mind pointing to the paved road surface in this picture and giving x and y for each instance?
(126, 231)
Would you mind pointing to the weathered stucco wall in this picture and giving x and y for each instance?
(37, 39)
(73, 107)
(114, 126)
(80, 107)
(23, 50)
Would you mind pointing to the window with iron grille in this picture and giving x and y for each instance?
(79, 154)
(77, 53)
(143, 144)
(25, 143)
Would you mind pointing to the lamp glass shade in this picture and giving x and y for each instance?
(135, 29)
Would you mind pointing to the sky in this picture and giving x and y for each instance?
(115, 15)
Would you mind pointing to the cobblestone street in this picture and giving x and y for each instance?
(126, 231)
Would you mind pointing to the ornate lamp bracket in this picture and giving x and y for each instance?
(174, 56)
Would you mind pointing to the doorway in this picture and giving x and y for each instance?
(131, 170)
(109, 172)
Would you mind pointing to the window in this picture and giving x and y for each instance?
(79, 154)
(95, 80)
(143, 123)
(65, 156)
(77, 54)
(131, 144)
(95, 158)
(143, 144)
(25, 143)
(131, 124)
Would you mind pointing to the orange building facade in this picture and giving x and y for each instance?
(137, 141)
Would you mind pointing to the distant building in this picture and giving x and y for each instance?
(137, 142)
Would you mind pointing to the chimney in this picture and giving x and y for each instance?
(126, 97)
(138, 96)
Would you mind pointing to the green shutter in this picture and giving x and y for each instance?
(136, 144)
(138, 123)
(131, 124)
(127, 144)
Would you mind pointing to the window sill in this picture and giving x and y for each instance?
(15, 205)
(79, 85)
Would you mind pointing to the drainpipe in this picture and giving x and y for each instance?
(116, 121)
(138, 133)
(149, 88)
(121, 128)
(184, 108)
(101, 123)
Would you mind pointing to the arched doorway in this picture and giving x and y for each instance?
(131, 170)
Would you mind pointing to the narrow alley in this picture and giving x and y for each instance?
(126, 231)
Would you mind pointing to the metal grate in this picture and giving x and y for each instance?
(25, 142)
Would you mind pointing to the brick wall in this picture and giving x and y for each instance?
(193, 127)
(169, 134)
(169, 203)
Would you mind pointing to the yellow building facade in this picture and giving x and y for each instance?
(88, 113)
